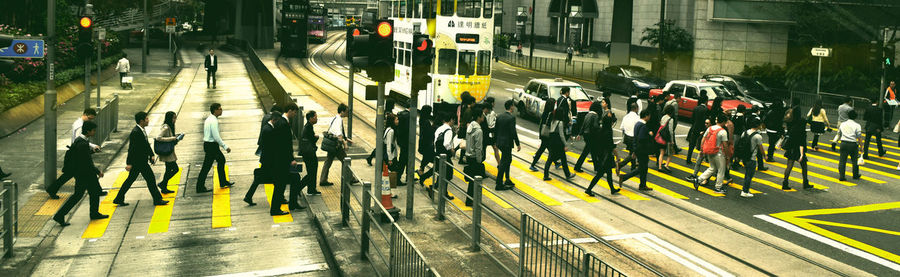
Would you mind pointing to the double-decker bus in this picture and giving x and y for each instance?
(294, 28)
(462, 32)
(318, 22)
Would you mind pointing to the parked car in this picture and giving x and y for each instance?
(691, 90)
(530, 100)
(627, 79)
(747, 88)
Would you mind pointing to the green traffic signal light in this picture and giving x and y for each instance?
(887, 61)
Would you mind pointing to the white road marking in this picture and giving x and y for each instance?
(830, 242)
(281, 270)
(674, 257)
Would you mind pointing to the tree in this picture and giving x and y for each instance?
(676, 40)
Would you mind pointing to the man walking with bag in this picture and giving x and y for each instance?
(335, 143)
(78, 161)
(851, 139)
(713, 146)
(139, 153)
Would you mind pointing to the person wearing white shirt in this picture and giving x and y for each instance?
(88, 115)
(212, 141)
(336, 128)
(627, 127)
(123, 67)
(851, 140)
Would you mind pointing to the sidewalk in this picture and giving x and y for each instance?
(602, 58)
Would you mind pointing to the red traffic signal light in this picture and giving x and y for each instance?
(384, 29)
(85, 22)
(355, 32)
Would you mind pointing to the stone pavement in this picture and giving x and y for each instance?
(195, 234)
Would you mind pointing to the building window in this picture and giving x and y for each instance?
(484, 63)
(447, 61)
(488, 8)
(466, 63)
(468, 8)
(447, 7)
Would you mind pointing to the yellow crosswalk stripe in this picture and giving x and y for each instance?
(543, 198)
(221, 206)
(97, 227)
(569, 189)
(162, 215)
(861, 168)
(456, 201)
(868, 162)
(828, 168)
(684, 183)
(625, 192)
(484, 192)
(270, 189)
(792, 178)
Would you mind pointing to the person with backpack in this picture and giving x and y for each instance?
(774, 127)
(642, 151)
(818, 123)
(748, 148)
(78, 161)
(795, 147)
(546, 116)
(589, 125)
(443, 144)
(665, 138)
(851, 142)
(713, 145)
(698, 121)
(604, 156)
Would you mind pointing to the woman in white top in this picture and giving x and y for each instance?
(390, 142)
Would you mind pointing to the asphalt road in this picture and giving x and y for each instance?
(854, 216)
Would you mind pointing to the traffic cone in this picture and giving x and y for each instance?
(386, 195)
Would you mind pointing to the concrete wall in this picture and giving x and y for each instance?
(724, 47)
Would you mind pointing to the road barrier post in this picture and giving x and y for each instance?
(442, 186)
(476, 214)
(346, 176)
(364, 231)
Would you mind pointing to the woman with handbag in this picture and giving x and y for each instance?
(543, 132)
(795, 146)
(604, 152)
(557, 144)
(664, 139)
(164, 145)
(818, 123)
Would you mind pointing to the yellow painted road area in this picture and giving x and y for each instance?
(270, 189)
(684, 183)
(797, 218)
(97, 227)
(543, 198)
(456, 201)
(832, 169)
(577, 192)
(221, 206)
(162, 215)
(484, 192)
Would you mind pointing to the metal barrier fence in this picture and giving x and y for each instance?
(575, 69)
(403, 258)
(830, 102)
(10, 212)
(107, 120)
(542, 251)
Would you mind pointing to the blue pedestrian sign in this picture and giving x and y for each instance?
(23, 48)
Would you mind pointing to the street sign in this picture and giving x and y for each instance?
(23, 48)
(170, 21)
(101, 33)
(170, 29)
(821, 52)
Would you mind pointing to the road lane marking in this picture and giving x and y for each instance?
(270, 190)
(543, 198)
(624, 191)
(97, 227)
(162, 215)
(868, 162)
(221, 206)
(484, 191)
(556, 183)
(831, 169)
(684, 183)
(456, 201)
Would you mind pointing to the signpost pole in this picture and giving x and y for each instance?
(87, 82)
(350, 101)
(50, 100)
(819, 78)
(99, 49)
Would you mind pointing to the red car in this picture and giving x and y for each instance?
(690, 91)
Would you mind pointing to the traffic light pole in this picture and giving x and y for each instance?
(350, 101)
(50, 99)
(144, 49)
(87, 82)
(379, 137)
(99, 58)
(411, 152)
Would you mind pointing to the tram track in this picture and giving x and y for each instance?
(368, 110)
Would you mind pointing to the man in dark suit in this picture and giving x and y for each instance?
(278, 152)
(698, 126)
(565, 105)
(262, 175)
(212, 64)
(874, 126)
(78, 161)
(506, 138)
(642, 151)
(139, 153)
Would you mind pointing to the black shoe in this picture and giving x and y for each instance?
(226, 184)
(468, 203)
(103, 193)
(688, 162)
(160, 202)
(99, 216)
(833, 146)
(326, 184)
(547, 178)
(249, 202)
(881, 153)
(369, 161)
(203, 190)
(165, 190)
(53, 195)
(499, 188)
(589, 193)
(762, 168)
(61, 221)
(315, 192)
(4, 175)
(578, 169)
(806, 185)
(645, 188)
(785, 186)
(665, 170)
(857, 177)
(696, 184)
(691, 178)
(842, 179)
(296, 207)
(120, 204)
(449, 197)
(279, 212)
(569, 177)
(719, 190)
(510, 184)
(614, 191)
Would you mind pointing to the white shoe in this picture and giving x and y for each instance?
(746, 194)
(898, 167)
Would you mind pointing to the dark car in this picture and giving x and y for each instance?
(627, 79)
(747, 88)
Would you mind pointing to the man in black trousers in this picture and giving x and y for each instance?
(262, 174)
(874, 126)
(278, 157)
(139, 153)
(642, 151)
(212, 141)
(78, 161)
(506, 137)
(698, 126)
(211, 64)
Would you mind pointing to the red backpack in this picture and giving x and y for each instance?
(710, 142)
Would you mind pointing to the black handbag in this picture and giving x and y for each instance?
(330, 143)
(163, 148)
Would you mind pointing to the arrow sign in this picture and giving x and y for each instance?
(23, 48)
(821, 52)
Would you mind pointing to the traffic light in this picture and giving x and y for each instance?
(358, 47)
(85, 31)
(889, 52)
(381, 48)
(422, 59)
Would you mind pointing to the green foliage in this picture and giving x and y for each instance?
(675, 41)
(22, 92)
(502, 41)
(769, 74)
(802, 76)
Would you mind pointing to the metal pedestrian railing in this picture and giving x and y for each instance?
(402, 257)
(10, 212)
(542, 251)
(575, 69)
(107, 120)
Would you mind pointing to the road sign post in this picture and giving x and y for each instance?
(99, 58)
(50, 101)
(24, 48)
(821, 53)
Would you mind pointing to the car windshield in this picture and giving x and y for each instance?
(714, 92)
(635, 71)
(752, 85)
(575, 92)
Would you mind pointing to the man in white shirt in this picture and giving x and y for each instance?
(336, 128)
(88, 115)
(123, 67)
(851, 141)
(444, 143)
(212, 140)
(627, 127)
